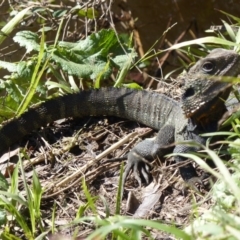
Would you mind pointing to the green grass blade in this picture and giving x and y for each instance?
(120, 191)
(35, 79)
(90, 199)
(37, 195)
(200, 41)
(229, 31)
(9, 27)
(231, 16)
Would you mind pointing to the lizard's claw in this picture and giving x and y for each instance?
(190, 176)
(192, 182)
(140, 167)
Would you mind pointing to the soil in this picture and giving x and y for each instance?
(68, 151)
(62, 154)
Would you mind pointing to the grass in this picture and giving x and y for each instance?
(23, 208)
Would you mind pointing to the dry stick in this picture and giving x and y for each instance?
(178, 9)
(159, 47)
(97, 158)
(136, 37)
(182, 19)
(179, 52)
(164, 36)
(164, 57)
(132, 26)
(98, 170)
(124, 157)
(86, 166)
(116, 145)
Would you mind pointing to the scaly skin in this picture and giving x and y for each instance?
(183, 121)
(202, 103)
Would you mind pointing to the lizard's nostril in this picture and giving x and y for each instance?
(188, 93)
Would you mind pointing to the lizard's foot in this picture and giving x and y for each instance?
(139, 166)
(190, 176)
(193, 182)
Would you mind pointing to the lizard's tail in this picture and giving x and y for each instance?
(122, 102)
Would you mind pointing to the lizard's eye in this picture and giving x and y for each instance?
(207, 67)
(188, 93)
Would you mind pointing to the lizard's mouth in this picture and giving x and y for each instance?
(210, 110)
(210, 100)
(204, 95)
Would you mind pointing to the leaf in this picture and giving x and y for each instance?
(231, 16)
(100, 42)
(59, 13)
(53, 85)
(11, 67)
(3, 183)
(25, 70)
(35, 78)
(93, 58)
(89, 13)
(13, 91)
(3, 217)
(133, 86)
(82, 70)
(121, 60)
(89, 58)
(27, 39)
(230, 31)
(45, 29)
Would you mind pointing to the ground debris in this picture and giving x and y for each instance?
(81, 152)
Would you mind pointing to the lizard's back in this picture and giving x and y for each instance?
(149, 108)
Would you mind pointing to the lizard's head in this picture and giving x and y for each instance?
(203, 90)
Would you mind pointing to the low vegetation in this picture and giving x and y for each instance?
(103, 57)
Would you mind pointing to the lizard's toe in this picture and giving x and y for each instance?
(194, 183)
(141, 171)
(136, 175)
(145, 174)
(195, 180)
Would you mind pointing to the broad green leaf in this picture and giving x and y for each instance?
(27, 39)
(25, 70)
(82, 70)
(120, 60)
(3, 183)
(11, 67)
(3, 217)
(88, 58)
(13, 91)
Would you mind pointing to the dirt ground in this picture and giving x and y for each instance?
(68, 150)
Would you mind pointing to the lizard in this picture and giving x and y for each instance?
(201, 106)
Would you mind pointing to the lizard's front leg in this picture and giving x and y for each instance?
(188, 172)
(146, 151)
